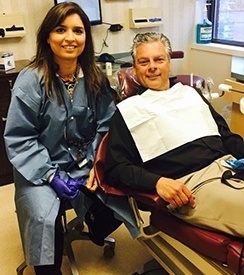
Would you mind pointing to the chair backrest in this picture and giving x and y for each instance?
(99, 169)
(127, 83)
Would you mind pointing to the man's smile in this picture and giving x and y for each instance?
(152, 77)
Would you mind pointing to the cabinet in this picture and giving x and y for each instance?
(6, 83)
(237, 118)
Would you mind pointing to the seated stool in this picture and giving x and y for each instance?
(73, 231)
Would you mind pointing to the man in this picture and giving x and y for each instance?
(169, 139)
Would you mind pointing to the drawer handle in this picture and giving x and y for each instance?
(4, 119)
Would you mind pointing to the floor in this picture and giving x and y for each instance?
(129, 258)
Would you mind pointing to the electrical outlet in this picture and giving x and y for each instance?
(115, 27)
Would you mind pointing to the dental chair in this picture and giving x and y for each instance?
(179, 247)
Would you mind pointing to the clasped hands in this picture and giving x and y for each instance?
(69, 190)
(175, 192)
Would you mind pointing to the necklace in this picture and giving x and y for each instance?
(68, 77)
(70, 81)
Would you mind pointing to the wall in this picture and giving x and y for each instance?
(213, 61)
(179, 18)
(177, 15)
(24, 48)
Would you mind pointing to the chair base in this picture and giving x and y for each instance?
(177, 258)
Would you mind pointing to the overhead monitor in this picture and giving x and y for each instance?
(91, 7)
(237, 68)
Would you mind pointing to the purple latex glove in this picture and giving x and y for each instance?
(62, 189)
(74, 184)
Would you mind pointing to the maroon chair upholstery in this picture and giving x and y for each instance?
(177, 54)
(212, 244)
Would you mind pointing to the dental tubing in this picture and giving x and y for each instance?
(228, 88)
(211, 96)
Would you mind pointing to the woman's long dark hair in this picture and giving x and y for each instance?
(44, 55)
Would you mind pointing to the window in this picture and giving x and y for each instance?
(227, 17)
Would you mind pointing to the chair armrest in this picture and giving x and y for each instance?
(147, 200)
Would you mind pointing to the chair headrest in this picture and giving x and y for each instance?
(127, 83)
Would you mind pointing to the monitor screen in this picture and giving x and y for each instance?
(91, 7)
(237, 68)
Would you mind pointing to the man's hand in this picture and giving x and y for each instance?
(91, 183)
(174, 192)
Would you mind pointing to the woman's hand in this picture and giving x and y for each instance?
(91, 183)
(175, 192)
(62, 188)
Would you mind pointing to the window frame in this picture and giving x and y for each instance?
(212, 13)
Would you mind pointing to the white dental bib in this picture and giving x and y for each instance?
(160, 121)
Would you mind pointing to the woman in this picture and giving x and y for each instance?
(60, 108)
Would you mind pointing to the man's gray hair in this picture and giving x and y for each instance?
(141, 38)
